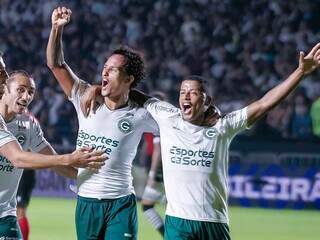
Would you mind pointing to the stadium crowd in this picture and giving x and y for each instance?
(243, 47)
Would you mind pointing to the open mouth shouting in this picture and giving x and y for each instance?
(105, 82)
(186, 108)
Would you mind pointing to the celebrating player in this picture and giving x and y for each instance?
(106, 203)
(195, 157)
(16, 96)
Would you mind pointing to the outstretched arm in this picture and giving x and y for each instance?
(307, 64)
(55, 57)
(81, 158)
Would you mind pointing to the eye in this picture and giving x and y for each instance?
(20, 90)
(182, 92)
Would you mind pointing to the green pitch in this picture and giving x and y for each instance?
(53, 219)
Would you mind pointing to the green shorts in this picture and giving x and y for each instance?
(106, 219)
(184, 229)
(9, 228)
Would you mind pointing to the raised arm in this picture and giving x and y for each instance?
(81, 158)
(272, 98)
(55, 57)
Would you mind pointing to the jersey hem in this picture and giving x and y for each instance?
(199, 219)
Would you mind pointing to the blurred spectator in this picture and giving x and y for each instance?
(315, 116)
(301, 125)
(245, 46)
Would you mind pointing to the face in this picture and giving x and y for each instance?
(3, 76)
(115, 81)
(19, 93)
(192, 101)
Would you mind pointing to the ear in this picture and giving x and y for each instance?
(207, 100)
(130, 79)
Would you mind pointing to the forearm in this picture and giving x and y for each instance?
(155, 161)
(55, 56)
(21, 159)
(38, 161)
(277, 94)
(64, 171)
(69, 172)
(272, 98)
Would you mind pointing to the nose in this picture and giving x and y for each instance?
(26, 96)
(105, 73)
(187, 96)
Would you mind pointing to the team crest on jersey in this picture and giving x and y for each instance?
(125, 125)
(210, 133)
(21, 137)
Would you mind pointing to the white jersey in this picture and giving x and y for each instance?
(195, 162)
(29, 134)
(118, 133)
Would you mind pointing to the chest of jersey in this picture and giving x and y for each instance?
(188, 147)
(20, 128)
(111, 130)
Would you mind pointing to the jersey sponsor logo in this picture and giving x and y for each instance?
(210, 133)
(5, 165)
(184, 156)
(166, 109)
(21, 137)
(125, 126)
(97, 142)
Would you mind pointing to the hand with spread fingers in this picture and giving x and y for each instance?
(310, 62)
(87, 158)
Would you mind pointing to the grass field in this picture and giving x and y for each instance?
(53, 219)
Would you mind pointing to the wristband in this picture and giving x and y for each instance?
(152, 174)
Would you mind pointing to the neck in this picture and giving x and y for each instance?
(198, 121)
(116, 102)
(6, 113)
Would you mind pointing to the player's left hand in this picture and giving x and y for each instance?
(88, 102)
(310, 62)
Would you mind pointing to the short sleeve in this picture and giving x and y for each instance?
(160, 109)
(5, 135)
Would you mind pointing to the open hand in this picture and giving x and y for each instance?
(87, 158)
(310, 62)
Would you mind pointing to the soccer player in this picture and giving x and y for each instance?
(195, 157)
(26, 185)
(154, 190)
(16, 96)
(106, 206)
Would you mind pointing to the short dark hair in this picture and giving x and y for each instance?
(203, 81)
(134, 64)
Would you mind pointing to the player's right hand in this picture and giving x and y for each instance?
(60, 16)
(87, 158)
